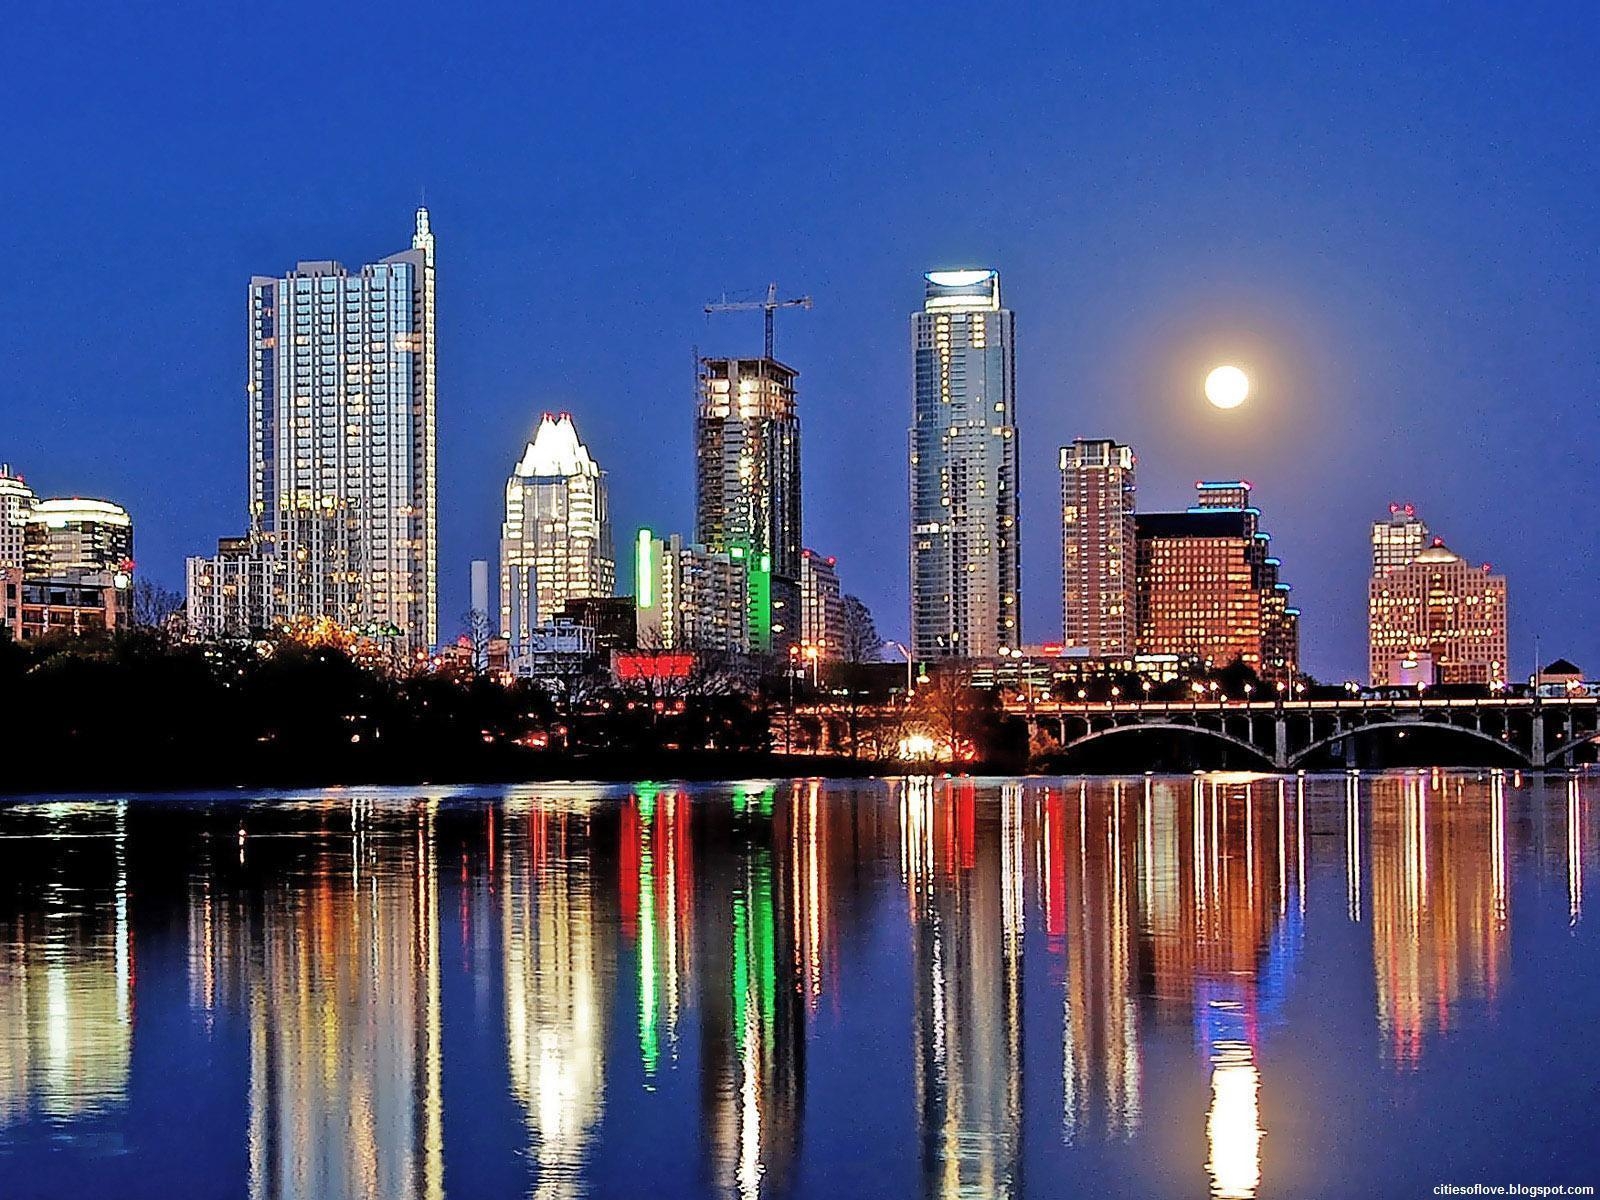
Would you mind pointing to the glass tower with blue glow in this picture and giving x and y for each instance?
(965, 559)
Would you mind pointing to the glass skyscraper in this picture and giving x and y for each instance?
(965, 558)
(343, 483)
(555, 544)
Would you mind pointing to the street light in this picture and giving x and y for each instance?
(907, 653)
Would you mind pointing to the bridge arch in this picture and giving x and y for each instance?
(1560, 752)
(1300, 756)
(1170, 727)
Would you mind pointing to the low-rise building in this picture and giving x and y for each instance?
(75, 604)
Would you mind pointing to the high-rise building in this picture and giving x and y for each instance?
(1097, 547)
(821, 606)
(1398, 540)
(1207, 587)
(1440, 613)
(555, 544)
(747, 486)
(343, 479)
(16, 503)
(690, 598)
(965, 555)
(77, 537)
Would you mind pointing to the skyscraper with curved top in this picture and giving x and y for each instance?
(555, 544)
(965, 560)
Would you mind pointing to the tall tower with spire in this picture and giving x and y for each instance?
(343, 486)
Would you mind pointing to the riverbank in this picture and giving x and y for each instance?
(494, 765)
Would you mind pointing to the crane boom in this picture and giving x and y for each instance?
(768, 306)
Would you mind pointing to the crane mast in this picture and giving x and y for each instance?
(767, 306)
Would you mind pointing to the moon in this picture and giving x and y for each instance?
(1227, 387)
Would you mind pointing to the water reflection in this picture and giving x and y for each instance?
(66, 962)
(559, 964)
(662, 983)
(1440, 923)
(752, 1016)
(965, 880)
(328, 949)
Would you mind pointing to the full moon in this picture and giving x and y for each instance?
(1227, 387)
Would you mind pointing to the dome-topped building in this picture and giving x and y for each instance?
(1437, 608)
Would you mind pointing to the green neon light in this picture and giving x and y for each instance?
(759, 580)
(642, 581)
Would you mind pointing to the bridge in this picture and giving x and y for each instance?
(1537, 733)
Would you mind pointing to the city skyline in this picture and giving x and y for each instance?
(1321, 219)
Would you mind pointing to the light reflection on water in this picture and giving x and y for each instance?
(937, 987)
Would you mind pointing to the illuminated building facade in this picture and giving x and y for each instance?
(1097, 547)
(1437, 607)
(77, 537)
(747, 486)
(821, 606)
(74, 603)
(689, 598)
(1398, 540)
(555, 544)
(966, 561)
(343, 478)
(1207, 586)
(16, 502)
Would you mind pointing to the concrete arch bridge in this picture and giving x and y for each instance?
(1536, 733)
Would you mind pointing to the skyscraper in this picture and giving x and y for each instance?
(1437, 616)
(77, 537)
(965, 559)
(16, 503)
(555, 544)
(343, 481)
(747, 486)
(1097, 547)
(1398, 540)
(1207, 587)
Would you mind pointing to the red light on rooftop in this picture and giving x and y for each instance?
(1438, 541)
(832, 561)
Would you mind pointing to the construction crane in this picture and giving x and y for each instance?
(768, 306)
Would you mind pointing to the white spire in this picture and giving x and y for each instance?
(423, 238)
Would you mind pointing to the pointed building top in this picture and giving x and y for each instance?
(423, 238)
(556, 450)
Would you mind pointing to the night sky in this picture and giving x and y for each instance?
(1388, 217)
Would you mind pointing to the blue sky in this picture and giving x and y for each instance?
(1389, 216)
